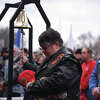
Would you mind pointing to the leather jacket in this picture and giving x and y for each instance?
(58, 78)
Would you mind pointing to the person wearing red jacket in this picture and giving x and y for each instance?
(87, 68)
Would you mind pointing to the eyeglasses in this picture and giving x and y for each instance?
(46, 47)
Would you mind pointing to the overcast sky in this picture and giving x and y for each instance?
(83, 15)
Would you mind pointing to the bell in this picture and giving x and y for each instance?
(22, 21)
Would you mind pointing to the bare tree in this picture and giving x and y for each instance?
(97, 46)
(86, 40)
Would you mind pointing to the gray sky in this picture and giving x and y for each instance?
(83, 15)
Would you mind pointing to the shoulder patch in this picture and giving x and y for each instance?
(57, 59)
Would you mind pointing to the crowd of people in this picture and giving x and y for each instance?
(55, 73)
(19, 65)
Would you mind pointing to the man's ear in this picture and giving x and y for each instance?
(57, 44)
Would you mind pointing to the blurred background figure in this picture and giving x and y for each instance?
(23, 55)
(94, 82)
(4, 70)
(78, 55)
(17, 89)
(87, 68)
(38, 57)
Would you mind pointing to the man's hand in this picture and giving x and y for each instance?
(28, 84)
(96, 93)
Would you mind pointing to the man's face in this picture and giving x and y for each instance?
(36, 56)
(78, 56)
(85, 54)
(15, 52)
(50, 49)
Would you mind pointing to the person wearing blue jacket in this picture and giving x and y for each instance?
(94, 82)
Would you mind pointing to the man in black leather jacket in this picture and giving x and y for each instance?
(58, 78)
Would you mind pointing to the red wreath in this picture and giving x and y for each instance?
(26, 76)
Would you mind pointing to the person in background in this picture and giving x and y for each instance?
(3, 71)
(25, 52)
(38, 57)
(78, 55)
(23, 55)
(1, 60)
(58, 77)
(17, 89)
(1, 74)
(94, 82)
(87, 68)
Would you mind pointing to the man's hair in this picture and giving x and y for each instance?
(89, 50)
(25, 50)
(78, 51)
(50, 36)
